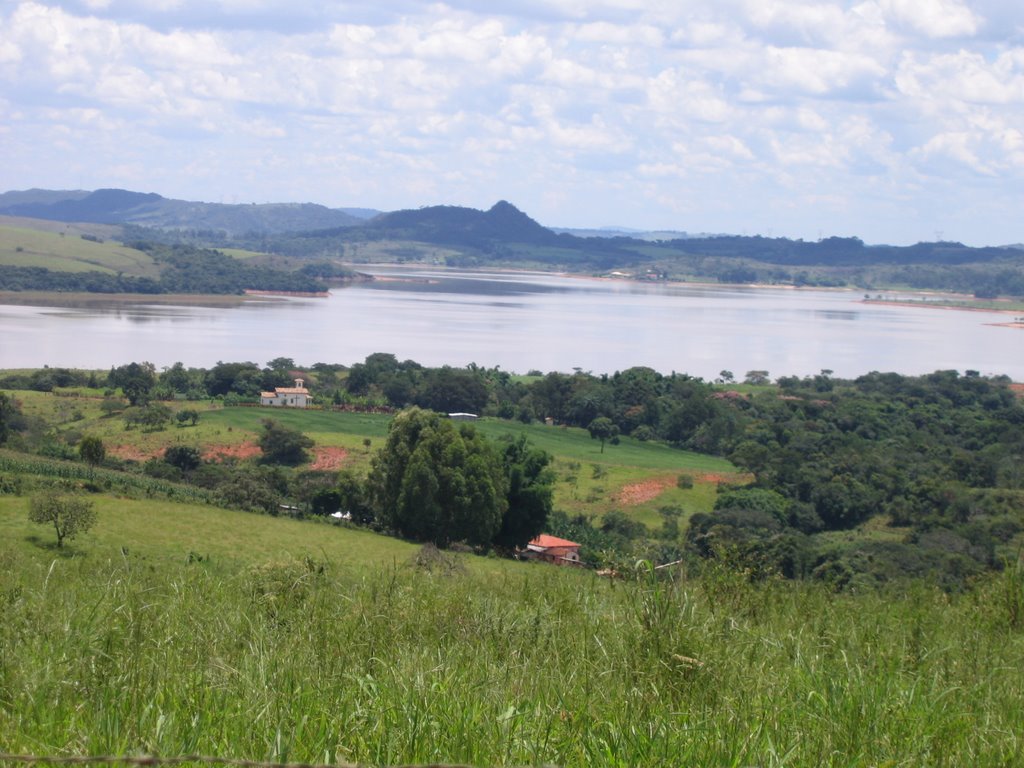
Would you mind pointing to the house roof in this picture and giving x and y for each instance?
(291, 390)
(544, 541)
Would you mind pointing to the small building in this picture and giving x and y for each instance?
(287, 397)
(462, 416)
(552, 549)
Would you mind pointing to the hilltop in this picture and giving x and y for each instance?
(120, 207)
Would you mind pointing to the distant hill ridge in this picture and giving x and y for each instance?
(121, 207)
(498, 235)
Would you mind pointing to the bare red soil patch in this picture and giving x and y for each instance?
(225, 452)
(131, 453)
(638, 493)
(327, 458)
(646, 490)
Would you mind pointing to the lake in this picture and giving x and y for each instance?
(524, 322)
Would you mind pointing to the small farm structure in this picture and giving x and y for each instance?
(287, 397)
(552, 549)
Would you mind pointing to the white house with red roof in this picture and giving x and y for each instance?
(552, 549)
(287, 397)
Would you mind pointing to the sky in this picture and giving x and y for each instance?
(896, 121)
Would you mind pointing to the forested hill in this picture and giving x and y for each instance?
(453, 224)
(840, 251)
(119, 206)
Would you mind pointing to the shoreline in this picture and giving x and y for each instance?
(86, 299)
(935, 305)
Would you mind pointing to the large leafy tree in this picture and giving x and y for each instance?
(136, 380)
(530, 493)
(433, 482)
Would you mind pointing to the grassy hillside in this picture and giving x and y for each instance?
(163, 532)
(27, 247)
(285, 641)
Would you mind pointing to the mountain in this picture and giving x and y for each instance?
(451, 224)
(119, 206)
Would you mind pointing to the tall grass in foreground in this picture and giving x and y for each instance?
(298, 660)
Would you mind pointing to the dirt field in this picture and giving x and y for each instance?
(638, 493)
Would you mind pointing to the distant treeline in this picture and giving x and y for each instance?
(183, 269)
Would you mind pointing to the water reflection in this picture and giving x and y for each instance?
(524, 322)
(837, 314)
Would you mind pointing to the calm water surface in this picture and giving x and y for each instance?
(528, 321)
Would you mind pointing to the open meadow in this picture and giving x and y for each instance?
(175, 629)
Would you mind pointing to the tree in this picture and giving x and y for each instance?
(283, 445)
(92, 450)
(136, 380)
(433, 482)
(10, 417)
(69, 515)
(530, 493)
(756, 377)
(352, 497)
(176, 378)
(451, 390)
(153, 417)
(188, 415)
(184, 457)
(602, 428)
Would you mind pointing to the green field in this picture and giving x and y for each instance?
(25, 247)
(634, 477)
(175, 629)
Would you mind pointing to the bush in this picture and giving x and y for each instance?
(643, 433)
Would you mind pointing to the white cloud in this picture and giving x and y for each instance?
(934, 18)
(558, 102)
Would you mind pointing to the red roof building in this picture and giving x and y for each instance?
(552, 549)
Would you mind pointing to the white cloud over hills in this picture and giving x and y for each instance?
(894, 120)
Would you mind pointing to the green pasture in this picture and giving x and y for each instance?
(164, 531)
(287, 641)
(23, 247)
(240, 253)
(576, 444)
